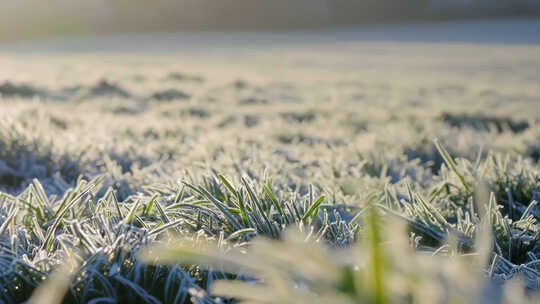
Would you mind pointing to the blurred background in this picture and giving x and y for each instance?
(23, 19)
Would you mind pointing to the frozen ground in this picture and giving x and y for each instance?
(347, 111)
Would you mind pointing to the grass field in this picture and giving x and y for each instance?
(298, 170)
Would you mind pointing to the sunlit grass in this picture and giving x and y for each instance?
(379, 190)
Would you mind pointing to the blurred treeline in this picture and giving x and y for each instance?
(21, 19)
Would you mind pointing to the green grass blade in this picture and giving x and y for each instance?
(313, 206)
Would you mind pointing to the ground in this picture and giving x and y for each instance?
(343, 113)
